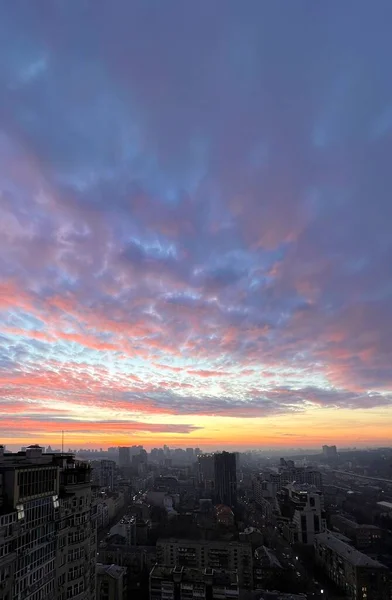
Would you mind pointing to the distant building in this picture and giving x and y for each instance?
(357, 575)
(190, 454)
(206, 464)
(225, 478)
(111, 582)
(104, 473)
(301, 475)
(124, 456)
(198, 554)
(330, 451)
(184, 583)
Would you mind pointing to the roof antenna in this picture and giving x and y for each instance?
(62, 442)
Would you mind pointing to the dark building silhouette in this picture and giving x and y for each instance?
(225, 478)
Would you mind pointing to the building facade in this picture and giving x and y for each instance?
(124, 456)
(362, 535)
(206, 468)
(358, 575)
(111, 582)
(199, 554)
(104, 473)
(185, 583)
(225, 475)
(47, 527)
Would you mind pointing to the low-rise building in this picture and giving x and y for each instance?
(185, 583)
(359, 576)
(111, 582)
(199, 554)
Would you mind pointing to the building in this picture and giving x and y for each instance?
(184, 583)
(47, 527)
(363, 536)
(107, 474)
(125, 531)
(302, 475)
(137, 560)
(273, 482)
(224, 515)
(304, 506)
(206, 466)
(359, 576)
(330, 451)
(190, 453)
(263, 488)
(124, 456)
(267, 568)
(111, 582)
(199, 554)
(108, 505)
(104, 473)
(225, 475)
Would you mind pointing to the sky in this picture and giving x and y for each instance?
(195, 223)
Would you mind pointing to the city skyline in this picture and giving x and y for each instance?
(195, 224)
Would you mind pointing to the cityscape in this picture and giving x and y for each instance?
(195, 300)
(174, 523)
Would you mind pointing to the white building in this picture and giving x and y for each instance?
(306, 505)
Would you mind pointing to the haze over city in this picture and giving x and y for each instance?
(195, 224)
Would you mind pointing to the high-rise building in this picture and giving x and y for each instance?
(47, 527)
(199, 554)
(124, 456)
(190, 453)
(184, 583)
(225, 475)
(330, 451)
(206, 464)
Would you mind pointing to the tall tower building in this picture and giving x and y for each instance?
(206, 465)
(124, 456)
(225, 478)
(47, 529)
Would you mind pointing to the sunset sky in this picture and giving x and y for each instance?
(195, 223)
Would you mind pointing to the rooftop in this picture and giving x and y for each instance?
(355, 525)
(113, 570)
(383, 504)
(347, 552)
(220, 576)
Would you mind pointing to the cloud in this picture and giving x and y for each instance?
(175, 235)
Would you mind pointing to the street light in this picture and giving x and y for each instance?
(321, 591)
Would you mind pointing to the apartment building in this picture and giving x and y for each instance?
(104, 474)
(47, 527)
(199, 554)
(359, 576)
(111, 582)
(185, 583)
(362, 535)
(304, 507)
